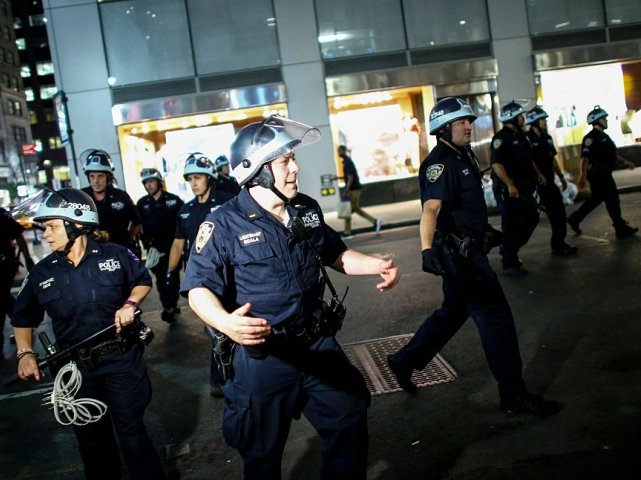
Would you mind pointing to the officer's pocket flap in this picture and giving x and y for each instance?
(255, 253)
(238, 422)
(49, 295)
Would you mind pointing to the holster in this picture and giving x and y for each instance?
(223, 352)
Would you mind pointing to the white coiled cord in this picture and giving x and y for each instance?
(67, 409)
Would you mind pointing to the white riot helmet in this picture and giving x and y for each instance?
(68, 204)
(447, 111)
(198, 163)
(259, 143)
(510, 111)
(596, 114)
(534, 115)
(96, 160)
(150, 174)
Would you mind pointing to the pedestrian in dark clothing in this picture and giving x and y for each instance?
(455, 238)
(158, 212)
(515, 178)
(254, 275)
(598, 159)
(86, 285)
(550, 196)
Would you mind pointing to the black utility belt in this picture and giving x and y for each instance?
(88, 356)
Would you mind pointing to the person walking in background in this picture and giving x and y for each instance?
(117, 212)
(544, 153)
(257, 275)
(199, 173)
(224, 181)
(158, 211)
(352, 192)
(455, 240)
(598, 159)
(515, 177)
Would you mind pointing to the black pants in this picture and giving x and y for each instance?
(168, 295)
(552, 200)
(471, 289)
(519, 217)
(604, 189)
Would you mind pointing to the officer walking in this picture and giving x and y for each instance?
(515, 177)
(199, 172)
(455, 238)
(86, 285)
(118, 215)
(598, 159)
(225, 182)
(544, 153)
(254, 276)
(158, 211)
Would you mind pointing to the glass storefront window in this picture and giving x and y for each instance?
(557, 16)
(432, 23)
(359, 27)
(146, 40)
(230, 36)
(623, 11)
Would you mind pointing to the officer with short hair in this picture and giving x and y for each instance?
(224, 181)
(515, 177)
(86, 285)
(598, 159)
(455, 238)
(199, 172)
(158, 211)
(118, 214)
(254, 276)
(544, 153)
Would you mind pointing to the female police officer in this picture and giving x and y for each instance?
(256, 280)
(455, 238)
(84, 286)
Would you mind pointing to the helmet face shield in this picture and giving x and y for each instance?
(67, 204)
(96, 160)
(260, 143)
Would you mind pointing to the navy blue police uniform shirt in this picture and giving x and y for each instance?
(227, 184)
(453, 176)
(243, 254)
(350, 169)
(159, 219)
(543, 151)
(512, 150)
(80, 300)
(115, 212)
(192, 214)
(600, 151)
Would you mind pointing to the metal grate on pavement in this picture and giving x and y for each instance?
(370, 357)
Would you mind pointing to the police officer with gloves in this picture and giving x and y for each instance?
(118, 215)
(224, 181)
(199, 172)
(515, 178)
(158, 211)
(598, 159)
(455, 238)
(544, 153)
(86, 285)
(256, 275)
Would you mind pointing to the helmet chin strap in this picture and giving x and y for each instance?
(265, 179)
(73, 232)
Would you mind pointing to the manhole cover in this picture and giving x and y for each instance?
(370, 357)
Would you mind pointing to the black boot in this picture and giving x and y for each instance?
(529, 404)
(624, 230)
(403, 373)
(574, 225)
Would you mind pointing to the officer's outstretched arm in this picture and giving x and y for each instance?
(353, 262)
(237, 325)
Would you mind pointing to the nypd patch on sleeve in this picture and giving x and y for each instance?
(203, 236)
(434, 171)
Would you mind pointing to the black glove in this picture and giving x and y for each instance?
(491, 238)
(432, 262)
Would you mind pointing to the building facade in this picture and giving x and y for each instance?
(151, 80)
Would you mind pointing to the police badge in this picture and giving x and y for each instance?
(434, 171)
(204, 232)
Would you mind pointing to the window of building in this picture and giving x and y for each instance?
(33, 117)
(359, 27)
(50, 115)
(19, 134)
(17, 23)
(37, 20)
(244, 34)
(623, 11)
(465, 21)
(44, 68)
(48, 91)
(158, 31)
(25, 71)
(14, 84)
(14, 107)
(3, 55)
(55, 143)
(4, 8)
(11, 58)
(28, 92)
(4, 79)
(38, 143)
(21, 43)
(6, 32)
(558, 16)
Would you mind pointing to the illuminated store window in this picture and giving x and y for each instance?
(146, 40)
(243, 33)
(44, 68)
(359, 27)
(558, 16)
(623, 11)
(464, 21)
